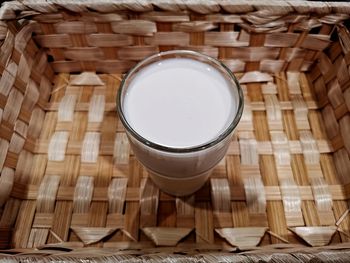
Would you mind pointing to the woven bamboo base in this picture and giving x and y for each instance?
(82, 186)
(68, 179)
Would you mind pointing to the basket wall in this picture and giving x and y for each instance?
(292, 145)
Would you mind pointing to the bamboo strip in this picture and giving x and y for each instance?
(23, 167)
(194, 26)
(315, 236)
(254, 190)
(221, 201)
(31, 96)
(309, 146)
(272, 193)
(331, 124)
(253, 186)
(300, 112)
(8, 78)
(75, 27)
(136, 53)
(166, 16)
(91, 235)
(134, 27)
(90, 147)
(42, 220)
(99, 211)
(255, 76)
(310, 214)
(116, 195)
(221, 196)
(275, 211)
(86, 79)
(224, 39)
(13, 106)
(293, 82)
(344, 131)
(322, 195)
(281, 148)
(47, 194)
(277, 236)
(248, 150)
(57, 146)
(7, 47)
(185, 211)
(242, 237)
(54, 40)
(47, 131)
(108, 40)
(96, 108)
(239, 209)
(254, 106)
(16, 143)
(320, 189)
(4, 237)
(312, 156)
(169, 38)
(66, 108)
(83, 194)
(204, 223)
(342, 164)
(23, 224)
(343, 222)
(277, 220)
(21, 128)
(269, 88)
(63, 211)
(273, 112)
(185, 205)
(247, 116)
(290, 192)
(166, 236)
(121, 150)
(10, 213)
(166, 217)
(115, 220)
(132, 211)
(149, 199)
(6, 184)
(132, 217)
(263, 147)
(37, 237)
(97, 216)
(335, 94)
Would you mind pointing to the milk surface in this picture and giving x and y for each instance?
(179, 102)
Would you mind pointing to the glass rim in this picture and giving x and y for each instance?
(190, 149)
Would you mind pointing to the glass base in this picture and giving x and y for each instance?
(179, 186)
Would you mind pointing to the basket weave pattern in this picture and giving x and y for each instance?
(68, 176)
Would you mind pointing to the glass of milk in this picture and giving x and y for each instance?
(179, 109)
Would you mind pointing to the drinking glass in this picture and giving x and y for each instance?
(180, 171)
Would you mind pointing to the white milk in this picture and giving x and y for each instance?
(179, 102)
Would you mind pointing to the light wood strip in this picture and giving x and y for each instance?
(255, 106)
(272, 193)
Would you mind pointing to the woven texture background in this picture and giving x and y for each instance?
(68, 176)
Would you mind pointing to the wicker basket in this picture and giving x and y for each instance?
(71, 189)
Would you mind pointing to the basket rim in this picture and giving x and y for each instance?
(19, 9)
(136, 255)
